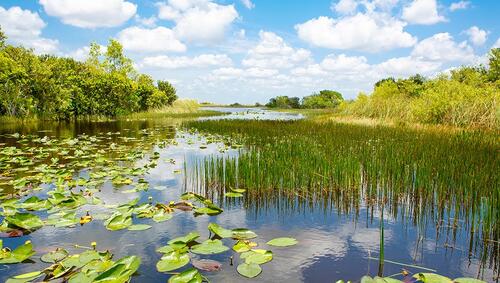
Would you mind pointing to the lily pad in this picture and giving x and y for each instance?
(185, 239)
(257, 256)
(55, 256)
(249, 270)
(282, 242)
(243, 234)
(172, 261)
(233, 195)
(209, 247)
(139, 227)
(26, 221)
(187, 276)
(219, 231)
(241, 246)
(20, 254)
(432, 278)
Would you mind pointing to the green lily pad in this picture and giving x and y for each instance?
(467, 280)
(233, 195)
(241, 246)
(209, 247)
(249, 270)
(26, 221)
(219, 231)
(55, 256)
(243, 234)
(172, 261)
(118, 221)
(257, 256)
(185, 239)
(190, 275)
(282, 242)
(432, 278)
(20, 254)
(121, 271)
(139, 227)
(161, 216)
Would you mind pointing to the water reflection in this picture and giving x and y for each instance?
(333, 243)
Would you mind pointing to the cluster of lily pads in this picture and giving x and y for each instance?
(176, 254)
(88, 266)
(416, 278)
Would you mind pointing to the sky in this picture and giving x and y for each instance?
(248, 51)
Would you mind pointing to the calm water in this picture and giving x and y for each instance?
(331, 245)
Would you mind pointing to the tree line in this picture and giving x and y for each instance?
(47, 86)
(321, 100)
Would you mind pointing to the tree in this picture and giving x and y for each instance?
(93, 60)
(169, 90)
(323, 99)
(494, 65)
(115, 60)
(3, 38)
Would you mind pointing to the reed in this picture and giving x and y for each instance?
(448, 179)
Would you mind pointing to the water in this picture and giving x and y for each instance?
(252, 114)
(332, 245)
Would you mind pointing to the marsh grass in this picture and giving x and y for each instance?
(446, 179)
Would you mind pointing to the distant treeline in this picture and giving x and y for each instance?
(106, 84)
(467, 97)
(323, 99)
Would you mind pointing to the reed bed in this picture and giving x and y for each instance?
(447, 179)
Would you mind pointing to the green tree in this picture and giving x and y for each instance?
(115, 60)
(3, 38)
(494, 65)
(323, 99)
(168, 90)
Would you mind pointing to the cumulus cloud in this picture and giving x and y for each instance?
(344, 6)
(25, 27)
(150, 40)
(273, 52)
(476, 35)
(90, 13)
(406, 66)
(442, 47)
(198, 20)
(369, 32)
(200, 61)
(423, 12)
(248, 4)
(460, 5)
(147, 22)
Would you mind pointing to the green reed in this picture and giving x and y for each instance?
(445, 178)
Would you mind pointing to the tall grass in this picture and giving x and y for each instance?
(445, 178)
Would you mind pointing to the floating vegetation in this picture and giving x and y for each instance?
(89, 266)
(18, 255)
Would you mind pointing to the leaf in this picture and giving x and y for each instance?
(185, 239)
(139, 227)
(282, 242)
(249, 270)
(121, 271)
(209, 247)
(243, 234)
(257, 256)
(467, 280)
(238, 190)
(20, 254)
(161, 216)
(55, 256)
(241, 246)
(432, 278)
(187, 276)
(25, 220)
(206, 264)
(219, 231)
(171, 261)
(118, 221)
(233, 195)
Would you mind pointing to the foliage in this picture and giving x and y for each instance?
(468, 97)
(47, 86)
(323, 99)
(284, 102)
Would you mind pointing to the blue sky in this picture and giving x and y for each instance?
(250, 50)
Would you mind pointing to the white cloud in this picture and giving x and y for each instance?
(476, 35)
(496, 44)
(273, 52)
(369, 32)
(198, 20)
(150, 40)
(238, 73)
(25, 27)
(344, 6)
(423, 12)
(248, 4)
(442, 47)
(345, 64)
(201, 61)
(406, 66)
(147, 22)
(460, 5)
(90, 13)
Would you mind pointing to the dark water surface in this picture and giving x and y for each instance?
(332, 245)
